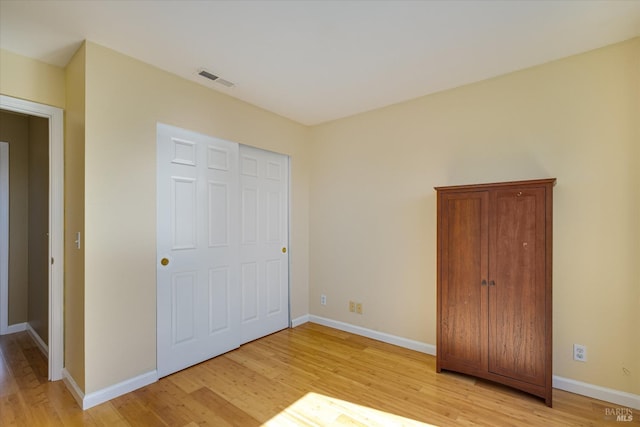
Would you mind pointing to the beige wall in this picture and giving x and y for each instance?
(35, 81)
(125, 99)
(74, 283)
(14, 129)
(373, 225)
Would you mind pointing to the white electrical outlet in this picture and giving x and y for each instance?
(323, 299)
(579, 353)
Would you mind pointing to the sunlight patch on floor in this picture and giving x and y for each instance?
(319, 410)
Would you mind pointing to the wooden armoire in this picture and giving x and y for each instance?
(494, 283)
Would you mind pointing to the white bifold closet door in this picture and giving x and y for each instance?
(222, 238)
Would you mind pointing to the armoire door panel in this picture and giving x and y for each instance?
(464, 267)
(517, 292)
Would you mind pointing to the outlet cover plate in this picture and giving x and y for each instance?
(579, 353)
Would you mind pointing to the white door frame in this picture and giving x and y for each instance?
(4, 235)
(56, 228)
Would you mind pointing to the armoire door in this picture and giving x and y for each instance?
(463, 294)
(517, 284)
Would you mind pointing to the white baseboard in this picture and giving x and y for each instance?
(90, 400)
(72, 386)
(97, 397)
(376, 335)
(622, 398)
(44, 348)
(18, 327)
(601, 393)
(299, 320)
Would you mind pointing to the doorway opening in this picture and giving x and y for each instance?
(52, 232)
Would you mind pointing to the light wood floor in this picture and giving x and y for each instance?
(307, 376)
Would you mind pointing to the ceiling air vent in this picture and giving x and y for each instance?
(206, 74)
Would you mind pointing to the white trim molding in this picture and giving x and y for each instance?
(17, 327)
(73, 387)
(299, 320)
(370, 333)
(44, 348)
(97, 397)
(90, 400)
(622, 398)
(4, 237)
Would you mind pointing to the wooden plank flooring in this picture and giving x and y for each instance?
(308, 376)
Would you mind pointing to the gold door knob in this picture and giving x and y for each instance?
(284, 250)
(164, 261)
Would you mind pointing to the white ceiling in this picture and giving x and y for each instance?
(315, 61)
